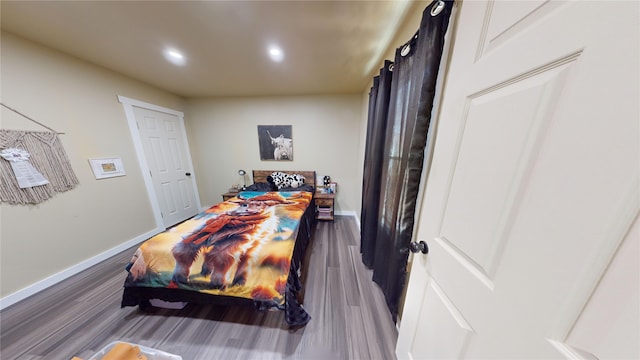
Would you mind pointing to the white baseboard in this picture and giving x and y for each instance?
(73, 270)
(349, 213)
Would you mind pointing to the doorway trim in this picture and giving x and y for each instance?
(128, 105)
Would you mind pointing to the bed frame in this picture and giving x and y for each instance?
(261, 175)
(295, 315)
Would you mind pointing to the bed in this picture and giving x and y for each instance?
(247, 250)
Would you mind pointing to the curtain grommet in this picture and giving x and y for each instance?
(437, 8)
(405, 50)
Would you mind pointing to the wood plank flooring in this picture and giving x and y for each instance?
(81, 315)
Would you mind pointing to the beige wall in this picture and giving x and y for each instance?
(79, 99)
(223, 137)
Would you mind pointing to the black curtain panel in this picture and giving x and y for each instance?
(372, 179)
(409, 114)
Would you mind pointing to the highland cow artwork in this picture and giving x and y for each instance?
(275, 142)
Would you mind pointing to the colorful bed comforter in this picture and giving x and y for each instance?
(241, 247)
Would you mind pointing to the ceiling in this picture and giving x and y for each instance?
(329, 46)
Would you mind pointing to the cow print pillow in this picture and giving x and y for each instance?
(279, 179)
(282, 180)
(296, 180)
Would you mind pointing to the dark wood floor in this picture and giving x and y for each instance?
(81, 315)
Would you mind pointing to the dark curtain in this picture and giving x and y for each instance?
(409, 113)
(376, 131)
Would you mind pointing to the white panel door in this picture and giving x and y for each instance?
(531, 203)
(165, 151)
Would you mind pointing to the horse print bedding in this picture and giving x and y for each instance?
(242, 248)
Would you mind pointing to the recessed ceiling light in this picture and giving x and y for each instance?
(276, 54)
(175, 57)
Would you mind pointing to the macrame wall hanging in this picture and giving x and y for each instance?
(33, 166)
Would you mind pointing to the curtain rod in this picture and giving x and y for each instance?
(37, 122)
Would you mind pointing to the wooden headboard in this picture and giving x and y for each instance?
(261, 175)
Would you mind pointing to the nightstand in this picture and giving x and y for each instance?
(228, 195)
(324, 206)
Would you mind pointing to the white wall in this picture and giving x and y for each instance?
(223, 136)
(79, 99)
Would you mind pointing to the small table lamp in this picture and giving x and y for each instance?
(244, 179)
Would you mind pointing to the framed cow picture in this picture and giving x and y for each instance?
(275, 142)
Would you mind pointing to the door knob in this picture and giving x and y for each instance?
(188, 174)
(419, 246)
